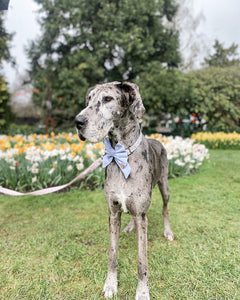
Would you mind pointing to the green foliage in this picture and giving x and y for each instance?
(223, 57)
(5, 113)
(89, 42)
(168, 94)
(211, 94)
(5, 38)
(216, 96)
(164, 90)
(14, 129)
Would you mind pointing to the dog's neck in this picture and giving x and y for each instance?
(125, 131)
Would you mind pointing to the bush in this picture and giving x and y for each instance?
(6, 116)
(25, 130)
(14, 129)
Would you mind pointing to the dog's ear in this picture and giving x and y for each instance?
(131, 91)
(87, 99)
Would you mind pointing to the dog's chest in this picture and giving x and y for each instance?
(124, 194)
(117, 190)
(122, 201)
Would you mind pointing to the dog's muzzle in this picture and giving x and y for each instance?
(81, 122)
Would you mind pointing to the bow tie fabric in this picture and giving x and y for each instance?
(119, 154)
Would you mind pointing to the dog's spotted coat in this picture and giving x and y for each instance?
(114, 109)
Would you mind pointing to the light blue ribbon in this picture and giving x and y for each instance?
(119, 154)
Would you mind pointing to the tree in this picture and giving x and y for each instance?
(167, 94)
(192, 43)
(164, 90)
(92, 41)
(215, 97)
(5, 38)
(212, 95)
(223, 57)
(5, 111)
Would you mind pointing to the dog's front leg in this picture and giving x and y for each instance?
(111, 283)
(143, 287)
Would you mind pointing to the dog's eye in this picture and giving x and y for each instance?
(107, 99)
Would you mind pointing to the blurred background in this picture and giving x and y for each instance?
(183, 54)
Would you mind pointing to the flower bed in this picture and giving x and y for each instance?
(218, 140)
(184, 156)
(38, 161)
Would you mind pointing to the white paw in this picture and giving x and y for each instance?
(110, 288)
(168, 235)
(142, 297)
(142, 292)
(129, 227)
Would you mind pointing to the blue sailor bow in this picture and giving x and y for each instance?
(119, 154)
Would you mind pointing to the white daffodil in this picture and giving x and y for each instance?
(69, 168)
(80, 166)
(34, 179)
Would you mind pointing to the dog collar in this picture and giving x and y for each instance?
(120, 155)
(131, 149)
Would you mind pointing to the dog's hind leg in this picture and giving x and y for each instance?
(111, 283)
(130, 226)
(163, 187)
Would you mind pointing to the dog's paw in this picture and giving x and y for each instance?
(169, 235)
(142, 292)
(110, 288)
(129, 227)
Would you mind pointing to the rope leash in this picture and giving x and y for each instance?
(53, 189)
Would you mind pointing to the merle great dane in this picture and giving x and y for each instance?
(113, 110)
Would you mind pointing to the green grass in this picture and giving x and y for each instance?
(56, 246)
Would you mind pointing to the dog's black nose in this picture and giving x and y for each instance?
(80, 122)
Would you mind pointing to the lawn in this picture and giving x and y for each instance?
(56, 246)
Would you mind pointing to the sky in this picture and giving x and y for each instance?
(221, 21)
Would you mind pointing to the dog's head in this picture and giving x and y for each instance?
(107, 103)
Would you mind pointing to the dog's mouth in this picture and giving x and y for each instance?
(82, 138)
(80, 135)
